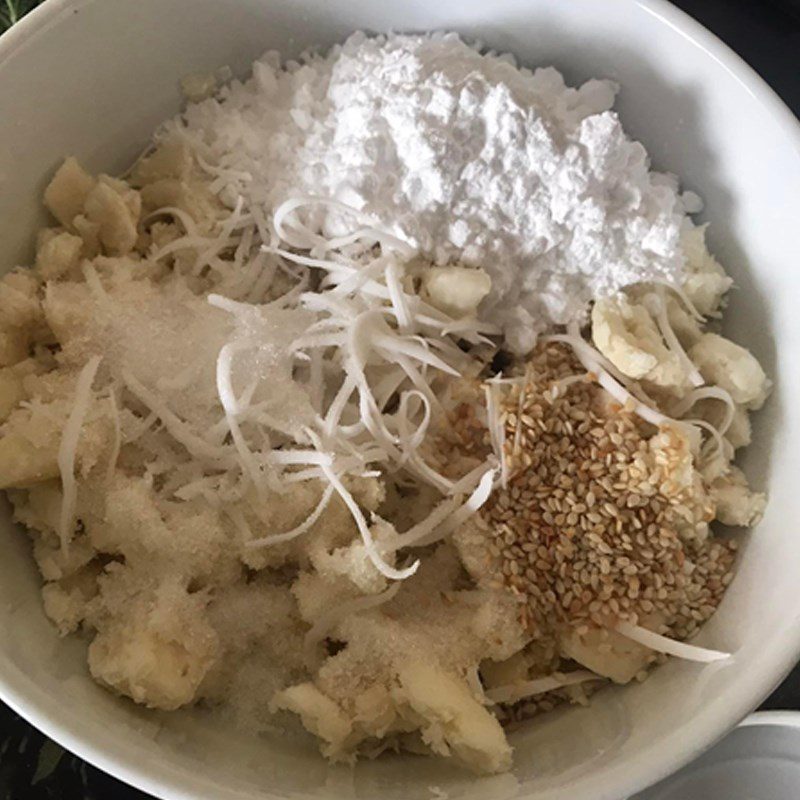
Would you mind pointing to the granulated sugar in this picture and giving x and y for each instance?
(466, 156)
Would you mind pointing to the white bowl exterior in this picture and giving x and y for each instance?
(95, 77)
(759, 759)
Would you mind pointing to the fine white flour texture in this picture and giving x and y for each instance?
(469, 158)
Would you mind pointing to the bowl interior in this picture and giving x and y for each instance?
(95, 78)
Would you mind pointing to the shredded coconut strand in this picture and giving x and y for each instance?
(447, 517)
(587, 355)
(709, 393)
(178, 429)
(361, 522)
(497, 430)
(659, 312)
(117, 443)
(661, 644)
(231, 406)
(518, 691)
(308, 523)
(68, 448)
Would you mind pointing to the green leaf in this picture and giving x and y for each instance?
(12, 11)
(49, 757)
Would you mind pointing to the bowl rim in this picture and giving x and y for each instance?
(163, 781)
(784, 718)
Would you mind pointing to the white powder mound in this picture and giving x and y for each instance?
(466, 156)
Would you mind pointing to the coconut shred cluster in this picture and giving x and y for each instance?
(294, 475)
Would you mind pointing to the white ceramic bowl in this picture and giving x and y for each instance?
(759, 760)
(95, 77)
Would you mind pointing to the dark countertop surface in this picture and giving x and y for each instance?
(766, 33)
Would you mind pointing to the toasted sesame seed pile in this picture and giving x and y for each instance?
(603, 517)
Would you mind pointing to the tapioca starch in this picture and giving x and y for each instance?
(467, 156)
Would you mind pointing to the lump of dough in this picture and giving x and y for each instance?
(451, 719)
(258, 617)
(22, 316)
(626, 334)
(151, 670)
(457, 291)
(23, 462)
(18, 299)
(171, 159)
(260, 649)
(64, 608)
(89, 232)
(30, 439)
(104, 212)
(736, 503)
(58, 254)
(115, 209)
(739, 434)
(735, 369)
(318, 595)
(38, 507)
(705, 281)
(66, 602)
(352, 562)
(193, 197)
(606, 653)
(189, 537)
(319, 714)
(68, 190)
(157, 649)
(471, 541)
(55, 562)
(14, 344)
(12, 391)
(418, 647)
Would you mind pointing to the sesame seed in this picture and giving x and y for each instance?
(592, 525)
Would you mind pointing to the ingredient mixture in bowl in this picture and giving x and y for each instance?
(384, 393)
